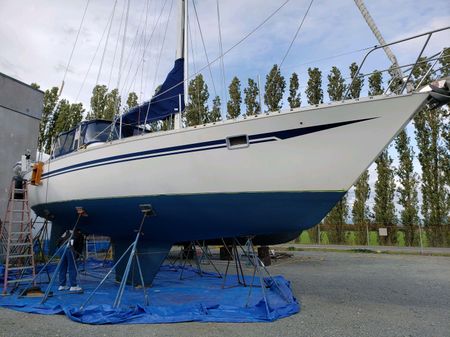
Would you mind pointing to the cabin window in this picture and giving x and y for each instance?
(237, 142)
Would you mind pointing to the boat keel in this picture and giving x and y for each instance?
(151, 255)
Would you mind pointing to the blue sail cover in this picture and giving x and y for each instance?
(163, 104)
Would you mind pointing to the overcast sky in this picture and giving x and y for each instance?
(36, 40)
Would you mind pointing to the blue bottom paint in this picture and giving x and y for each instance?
(181, 218)
(194, 298)
(197, 216)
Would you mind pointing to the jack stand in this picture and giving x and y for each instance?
(237, 261)
(81, 212)
(257, 269)
(197, 262)
(249, 256)
(33, 281)
(147, 211)
(206, 254)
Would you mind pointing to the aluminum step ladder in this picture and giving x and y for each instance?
(16, 235)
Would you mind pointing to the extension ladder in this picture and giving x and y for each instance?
(17, 238)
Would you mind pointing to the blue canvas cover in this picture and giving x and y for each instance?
(165, 103)
(194, 298)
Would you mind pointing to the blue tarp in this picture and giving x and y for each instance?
(194, 298)
(165, 103)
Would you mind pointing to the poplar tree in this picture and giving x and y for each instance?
(433, 157)
(375, 83)
(68, 116)
(337, 217)
(52, 131)
(197, 110)
(274, 89)
(294, 94)
(360, 210)
(357, 82)
(384, 208)
(132, 100)
(98, 102)
(234, 104)
(336, 85)
(251, 98)
(215, 114)
(407, 190)
(50, 101)
(445, 72)
(336, 220)
(314, 91)
(112, 105)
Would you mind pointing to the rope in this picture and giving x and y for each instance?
(204, 47)
(73, 48)
(296, 33)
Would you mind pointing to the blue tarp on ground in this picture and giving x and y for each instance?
(194, 298)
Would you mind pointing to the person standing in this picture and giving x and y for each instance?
(68, 262)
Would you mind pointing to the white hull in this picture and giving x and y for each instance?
(327, 160)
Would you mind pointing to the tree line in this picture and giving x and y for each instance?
(432, 135)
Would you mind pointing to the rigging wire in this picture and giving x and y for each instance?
(106, 44)
(162, 44)
(144, 34)
(117, 44)
(92, 60)
(204, 47)
(148, 42)
(296, 33)
(120, 66)
(224, 87)
(73, 48)
(151, 36)
(123, 45)
(191, 38)
(229, 49)
(134, 49)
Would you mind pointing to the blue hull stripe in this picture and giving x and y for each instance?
(195, 147)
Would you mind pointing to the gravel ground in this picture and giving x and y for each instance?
(342, 294)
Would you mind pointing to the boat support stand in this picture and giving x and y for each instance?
(147, 211)
(81, 212)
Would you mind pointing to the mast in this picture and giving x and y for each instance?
(371, 23)
(182, 53)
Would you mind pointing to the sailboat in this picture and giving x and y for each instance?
(267, 176)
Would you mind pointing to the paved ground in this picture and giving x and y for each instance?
(342, 294)
(394, 249)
